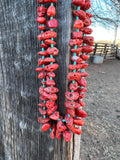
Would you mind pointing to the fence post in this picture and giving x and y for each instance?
(117, 52)
(105, 51)
(95, 49)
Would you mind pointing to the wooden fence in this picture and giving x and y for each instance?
(106, 50)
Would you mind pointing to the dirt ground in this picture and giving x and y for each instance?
(101, 134)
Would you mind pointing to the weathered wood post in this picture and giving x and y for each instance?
(117, 52)
(21, 136)
(95, 48)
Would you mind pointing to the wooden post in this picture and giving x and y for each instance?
(95, 48)
(105, 51)
(117, 52)
(21, 136)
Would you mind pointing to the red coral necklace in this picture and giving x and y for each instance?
(80, 47)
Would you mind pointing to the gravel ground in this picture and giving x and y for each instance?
(101, 134)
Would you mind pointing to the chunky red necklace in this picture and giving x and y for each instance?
(80, 47)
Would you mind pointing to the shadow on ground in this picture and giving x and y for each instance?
(101, 134)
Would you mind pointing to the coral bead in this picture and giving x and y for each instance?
(41, 75)
(82, 104)
(51, 11)
(72, 95)
(87, 49)
(84, 74)
(69, 120)
(51, 74)
(89, 15)
(41, 104)
(43, 120)
(43, 53)
(71, 112)
(52, 109)
(50, 82)
(43, 99)
(51, 68)
(46, 126)
(87, 22)
(46, 1)
(84, 57)
(73, 76)
(49, 42)
(71, 105)
(74, 42)
(79, 122)
(82, 82)
(77, 35)
(47, 35)
(78, 2)
(41, 20)
(89, 40)
(52, 134)
(78, 66)
(42, 111)
(39, 69)
(76, 130)
(78, 24)
(82, 95)
(81, 90)
(86, 30)
(77, 50)
(53, 51)
(67, 136)
(77, 59)
(81, 113)
(51, 90)
(50, 104)
(45, 61)
(55, 116)
(73, 86)
(43, 45)
(53, 23)
(58, 134)
(50, 96)
(41, 11)
(42, 28)
(61, 126)
(80, 13)
(87, 5)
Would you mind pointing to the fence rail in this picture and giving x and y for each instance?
(106, 50)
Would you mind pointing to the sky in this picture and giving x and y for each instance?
(101, 30)
(101, 33)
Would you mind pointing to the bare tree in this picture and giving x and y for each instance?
(106, 12)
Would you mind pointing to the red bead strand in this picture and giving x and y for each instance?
(58, 125)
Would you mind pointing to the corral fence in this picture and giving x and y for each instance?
(106, 50)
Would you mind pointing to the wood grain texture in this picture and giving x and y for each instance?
(20, 134)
